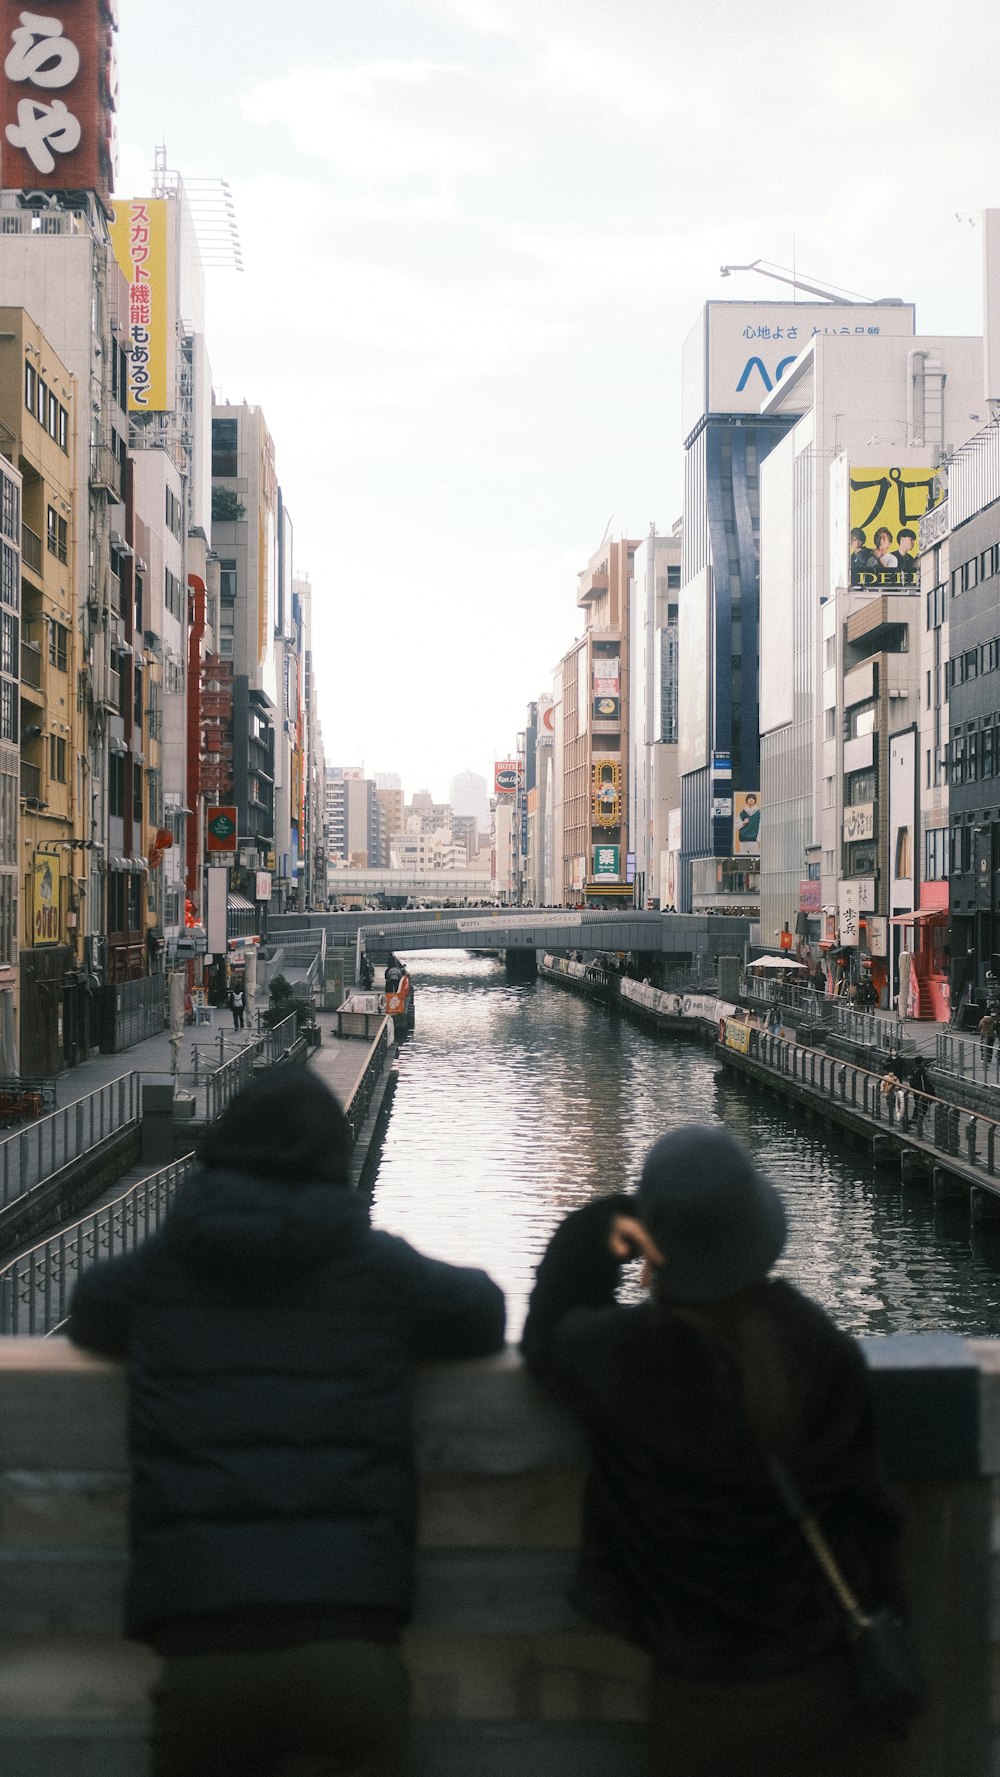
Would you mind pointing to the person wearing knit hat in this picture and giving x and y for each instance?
(687, 1396)
(270, 1336)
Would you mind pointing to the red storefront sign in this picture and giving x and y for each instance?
(60, 95)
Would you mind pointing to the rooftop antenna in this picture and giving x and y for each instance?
(783, 275)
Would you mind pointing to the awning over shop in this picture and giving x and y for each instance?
(919, 916)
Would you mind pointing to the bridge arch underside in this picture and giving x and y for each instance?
(677, 935)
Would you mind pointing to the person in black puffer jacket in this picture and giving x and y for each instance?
(687, 1546)
(270, 1336)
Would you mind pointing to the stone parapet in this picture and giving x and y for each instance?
(506, 1676)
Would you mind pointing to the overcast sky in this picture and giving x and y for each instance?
(476, 233)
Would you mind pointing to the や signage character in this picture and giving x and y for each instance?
(45, 58)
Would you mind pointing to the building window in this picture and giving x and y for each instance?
(224, 448)
(116, 901)
(9, 662)
(172, 594)
(8, 577)
(8, 710)
(56, 534)
(116, 789)
(227, 582)
(137, 792)
(64, 430)
(57, 758)
(58, 645)
(30, 387)
(937, 854)
(172, 513)
(10, 517)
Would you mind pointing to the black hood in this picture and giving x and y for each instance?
(286, 1124)
(246, 1228)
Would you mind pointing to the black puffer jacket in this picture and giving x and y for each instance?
(687, 1547)
(270, 1336)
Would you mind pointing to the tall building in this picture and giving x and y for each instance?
(58, 266)
(654, 688)
(869, 415)
(10, 822)
(181, 716)
(594, 700)
(39, 422)
(246, 523)
(355, 819)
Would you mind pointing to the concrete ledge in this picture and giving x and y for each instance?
(506, 1676)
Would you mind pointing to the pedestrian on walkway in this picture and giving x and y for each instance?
(270, 1337)
(690, 1400)
(922, 1089)
(987, 1028)
(237, 1004)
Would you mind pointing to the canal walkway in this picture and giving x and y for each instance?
(950, 1136)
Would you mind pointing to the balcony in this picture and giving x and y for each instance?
(31, 665)
(31, 781)
(105, 471)
(594, 583)
(31, 550)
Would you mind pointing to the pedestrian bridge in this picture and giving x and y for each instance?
(679, 935)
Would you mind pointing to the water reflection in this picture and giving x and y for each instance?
(517, 1102)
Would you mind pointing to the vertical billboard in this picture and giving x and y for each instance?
(606, 861)
(746, 824)
(546, 722)
(606, 688)
(850, 914)
(46, 920)
(60, 95)
(139, 238)
(505, 777)
(886, 508)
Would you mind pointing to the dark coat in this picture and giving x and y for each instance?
(687, 1548)
(270, 1336)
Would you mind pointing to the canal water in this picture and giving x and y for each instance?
(517, 1102)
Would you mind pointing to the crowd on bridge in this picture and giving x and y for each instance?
(737, 1526)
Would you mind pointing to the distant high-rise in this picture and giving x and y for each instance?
(469, 794)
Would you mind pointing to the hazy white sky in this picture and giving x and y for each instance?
(476, 233)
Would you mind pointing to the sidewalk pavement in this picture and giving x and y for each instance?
(338, 1060)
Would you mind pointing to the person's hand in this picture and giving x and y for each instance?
(628, 1239)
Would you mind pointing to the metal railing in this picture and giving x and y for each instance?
(878, 1029)
(967, 1058)
(31, 780)
(31, 666)
(35, 1288)
(357, 1108)
(31, 549)
(45, 1147)
(223, 1083)
(934, 1122)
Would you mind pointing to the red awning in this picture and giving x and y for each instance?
(918, 918)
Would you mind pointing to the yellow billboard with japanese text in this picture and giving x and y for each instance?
(139, 236)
